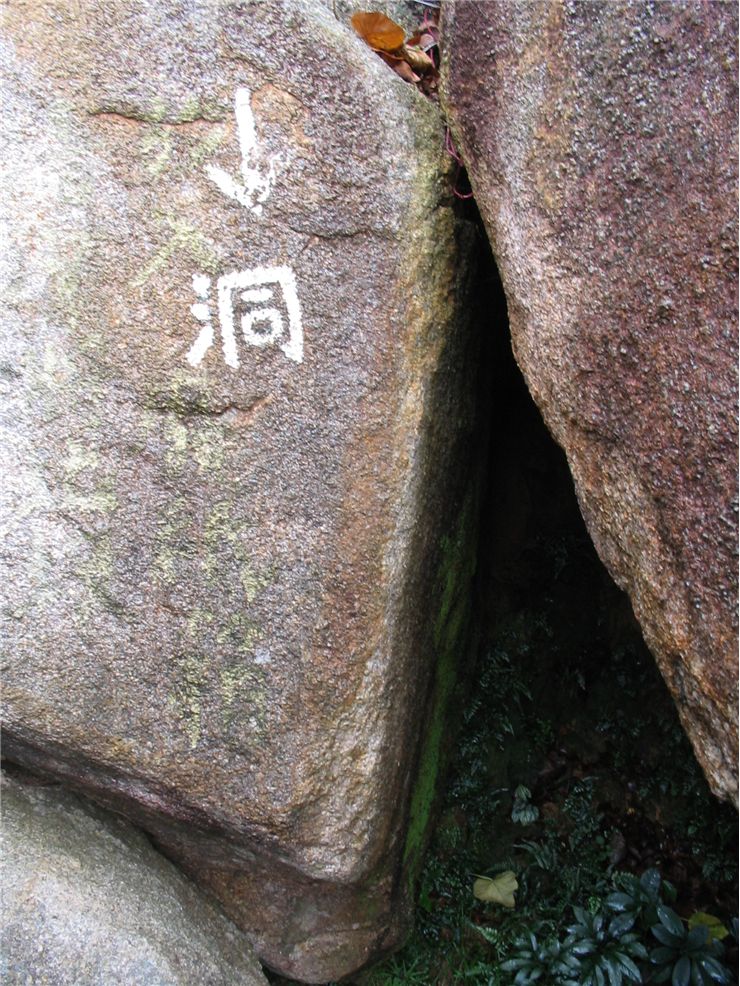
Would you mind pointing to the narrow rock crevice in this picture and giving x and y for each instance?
(563, 699)
(534, 550)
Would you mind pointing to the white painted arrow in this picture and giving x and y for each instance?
(256, 184)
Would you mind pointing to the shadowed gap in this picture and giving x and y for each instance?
(566, 702)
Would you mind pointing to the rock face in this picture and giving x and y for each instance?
(86, 900)
(602, 153)
(236, 403)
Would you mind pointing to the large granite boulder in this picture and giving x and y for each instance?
(600, 140)
(237, 397)
(87, 901)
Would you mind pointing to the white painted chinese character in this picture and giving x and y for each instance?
(261, 298)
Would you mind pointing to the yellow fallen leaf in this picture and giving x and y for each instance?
(714, 926)
(497, 890)
(418, 59)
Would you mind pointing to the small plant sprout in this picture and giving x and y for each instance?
(686, 956)
(523, 811)
(637, 901)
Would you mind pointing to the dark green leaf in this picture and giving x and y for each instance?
(670, 920)
(614, 972)
(510, 965)
(637, 949)
(714, 969)
(620, 902)
(572, 961)
(629, 967)
(698, 976)
(669, 891)
(650, 882)
(665, 937)
(586, 946)
(620, 924)
(662, 955)
(681, 975)
(697, 936)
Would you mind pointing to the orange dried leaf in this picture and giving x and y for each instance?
(379, 31)
(418, 60)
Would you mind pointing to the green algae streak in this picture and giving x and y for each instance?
(452, 639)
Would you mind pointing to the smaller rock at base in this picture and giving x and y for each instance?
(87, 900)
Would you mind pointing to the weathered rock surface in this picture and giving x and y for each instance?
(86, 901)
(236, 393)
(602, 152)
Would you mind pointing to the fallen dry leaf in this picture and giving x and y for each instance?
(379, 31)
(386, 38)
(399, 66)
(498, 889)
(418, 60)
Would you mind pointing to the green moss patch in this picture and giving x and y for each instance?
(451, 637)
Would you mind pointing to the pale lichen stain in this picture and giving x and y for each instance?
(171, 540)
(183, 237)
(186, 696)
(238, 689)
(157, 149)
(89, 496)
(222, 530)
(208, 447)
(240, 692)
(247, 684)
(82, 465)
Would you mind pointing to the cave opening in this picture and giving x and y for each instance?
(570, 774)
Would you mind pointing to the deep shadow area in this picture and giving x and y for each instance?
(596, 715)
(571, 772)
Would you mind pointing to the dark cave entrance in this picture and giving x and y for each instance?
(571, 766)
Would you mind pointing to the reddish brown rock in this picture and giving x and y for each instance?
(236, 401)
(600, 140)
